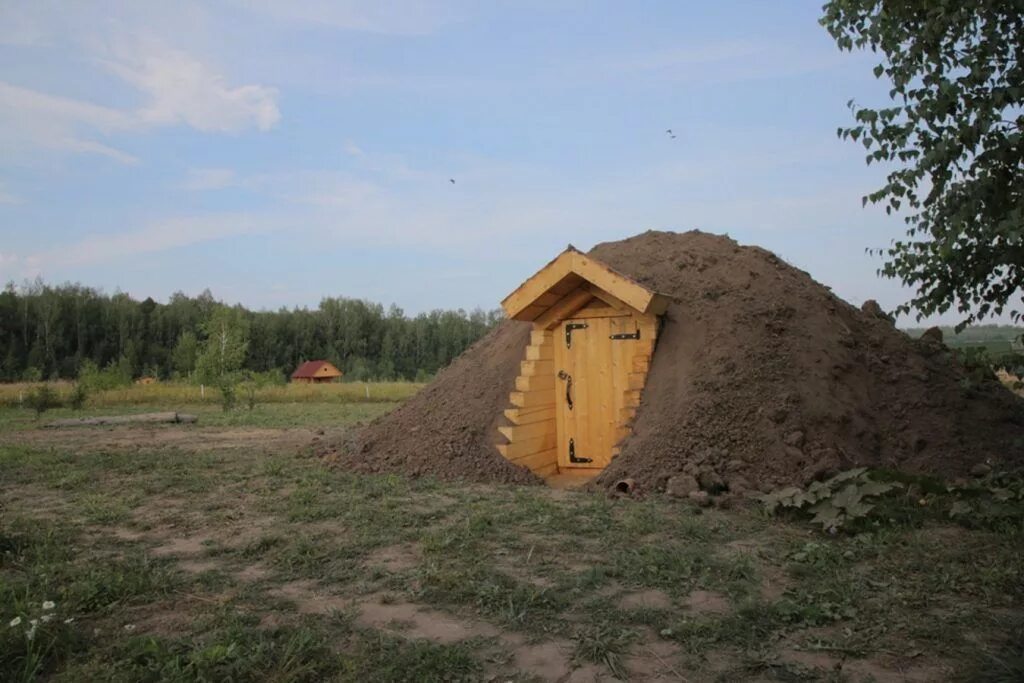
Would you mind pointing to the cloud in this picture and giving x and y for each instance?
(41, 120)
(176, 89)
(161, 236)
(181, 89)
(201, 179)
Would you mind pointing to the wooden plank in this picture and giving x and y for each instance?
(632, 399)
(610, 299)
(539, 337)
(545, 352)
(520, 416)
(566, 306)
(626, 290)
(626, 414)
(541, 459)
(602, 312)
(529, 431)
(527, 399)
(535, 382)
(641, 364)
(547, 470)
(518, 449)
(538, 284)
(636, 380)
(528, 368)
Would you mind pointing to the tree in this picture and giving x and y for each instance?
(223, 350)
(186, 350)
(955, 136)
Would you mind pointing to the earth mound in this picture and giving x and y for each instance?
(761, 377)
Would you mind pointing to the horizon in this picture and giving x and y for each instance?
(433, 156)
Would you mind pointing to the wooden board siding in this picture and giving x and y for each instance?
(531, 438)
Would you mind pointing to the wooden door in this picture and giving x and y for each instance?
(593, 358)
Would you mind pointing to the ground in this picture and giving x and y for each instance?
(230, 550)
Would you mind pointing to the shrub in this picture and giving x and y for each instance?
(78, 396)
(228, 398)
(116, 374)
(42, 398)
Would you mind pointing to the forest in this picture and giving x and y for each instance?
(57, 332)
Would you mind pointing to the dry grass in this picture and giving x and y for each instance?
(183, 392)
(1011, 382)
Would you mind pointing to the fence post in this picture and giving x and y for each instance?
(202, 391)
(367, 390)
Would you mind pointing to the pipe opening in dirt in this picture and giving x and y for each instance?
(625, 487)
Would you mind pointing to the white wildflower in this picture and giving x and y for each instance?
(31, 633)
(69, 620)
(15, 622)
(49, 604)
(129, 627)
(45, 618)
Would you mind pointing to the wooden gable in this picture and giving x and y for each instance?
(570, 282)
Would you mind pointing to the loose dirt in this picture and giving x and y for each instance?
(761, 376)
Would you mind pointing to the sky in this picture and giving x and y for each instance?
(277, 152)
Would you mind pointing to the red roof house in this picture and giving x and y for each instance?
(315, 372)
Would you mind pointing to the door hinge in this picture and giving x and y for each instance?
(569, 327)
(626, 335)
(572, 454)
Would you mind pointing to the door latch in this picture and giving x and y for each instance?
(572, 454)
(563, 375)
(569, 327)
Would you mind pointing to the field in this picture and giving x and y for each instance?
(228, 550)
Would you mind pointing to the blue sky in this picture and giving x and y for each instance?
(277, 152)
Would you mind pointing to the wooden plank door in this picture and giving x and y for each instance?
(591, 380)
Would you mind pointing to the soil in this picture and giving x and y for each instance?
(761, 376)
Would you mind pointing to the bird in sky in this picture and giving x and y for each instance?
(451, 180)
(670, 133)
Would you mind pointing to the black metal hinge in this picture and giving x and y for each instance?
(572, 454)
(626, 335)
(569, 327)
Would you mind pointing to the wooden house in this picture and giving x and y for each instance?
(580, 379)
(315, 372)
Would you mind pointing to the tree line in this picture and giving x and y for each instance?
(51, 332)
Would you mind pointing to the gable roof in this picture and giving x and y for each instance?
(573, 270)
(316, 368)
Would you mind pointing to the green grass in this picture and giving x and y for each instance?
(287, 554)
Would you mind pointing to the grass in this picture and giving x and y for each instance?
(177, 393)
(263, 564)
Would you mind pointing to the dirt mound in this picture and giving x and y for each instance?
(761, 377)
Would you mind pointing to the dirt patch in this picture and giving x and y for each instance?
(252, 573)
(310, 598)
(707, 602)
(646, 599)
(881, 668)
(414, 621)
(761, 376)
(191, 545)
(394, 558)
(199, 566)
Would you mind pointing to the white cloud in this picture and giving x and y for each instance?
(200, 179)
(36, 119)
(181, 89)
(160, 236)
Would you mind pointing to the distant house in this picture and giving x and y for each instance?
(315, 372)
